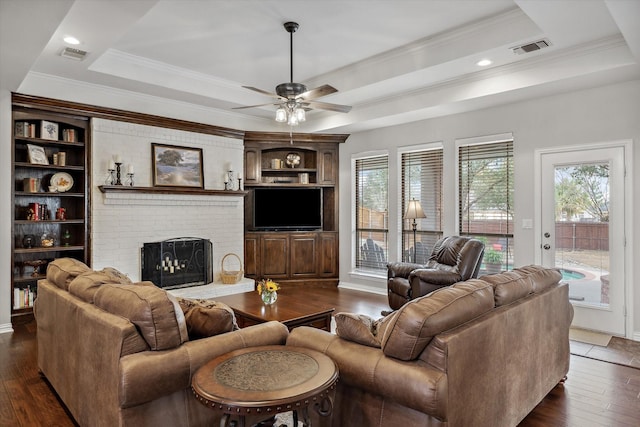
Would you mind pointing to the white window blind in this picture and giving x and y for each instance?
(372, 212)
(421, 179)
(486, 199)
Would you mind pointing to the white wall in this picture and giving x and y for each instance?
(5, 210)
(597, 115)
(121, 223)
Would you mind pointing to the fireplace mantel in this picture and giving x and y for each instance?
(168, 190)
(127, 195)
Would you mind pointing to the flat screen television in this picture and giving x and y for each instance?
(287, 208)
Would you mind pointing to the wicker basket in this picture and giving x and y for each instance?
(231, 277)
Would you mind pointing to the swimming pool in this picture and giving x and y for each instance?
(571, 274)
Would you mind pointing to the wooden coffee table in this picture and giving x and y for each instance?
(256, 383)
(293, 308)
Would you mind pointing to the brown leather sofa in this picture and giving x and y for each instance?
(453, 259)
(480, 353)
(121, 354)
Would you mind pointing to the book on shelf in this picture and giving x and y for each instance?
(23, 297)
(69, 135)
(25, 130)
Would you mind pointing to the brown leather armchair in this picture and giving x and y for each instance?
(453, 259)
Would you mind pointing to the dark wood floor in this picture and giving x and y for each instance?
(596, 393)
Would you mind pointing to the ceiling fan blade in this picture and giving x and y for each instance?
(253, 106)
(317, 92)
(326, 106)
(264, 92)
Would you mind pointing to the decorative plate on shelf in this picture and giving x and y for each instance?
(62, 181)
(293, 160)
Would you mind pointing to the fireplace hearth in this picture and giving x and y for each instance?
(178, 263)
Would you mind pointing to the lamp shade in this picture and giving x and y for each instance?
(414, 210)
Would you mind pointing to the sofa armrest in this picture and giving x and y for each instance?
(148, 375)
(413, 384)
(401, 269)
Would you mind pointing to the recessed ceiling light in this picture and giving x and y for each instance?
(483, 62)
(71, 40)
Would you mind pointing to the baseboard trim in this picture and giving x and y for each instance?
(636, 336)
(363, 288)
(6, 328)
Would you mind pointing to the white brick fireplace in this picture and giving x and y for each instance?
(122, 222)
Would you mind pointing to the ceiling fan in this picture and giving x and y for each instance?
(294, 98)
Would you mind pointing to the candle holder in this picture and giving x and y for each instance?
(230, 179)
(226, 186)
(239, 184)
(130, 179)
(110, 178)
(118, 173)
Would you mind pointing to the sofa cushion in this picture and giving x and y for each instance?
(87, 284)
(206, 318)
(414, 325)
(509, 286)
(156, 313)
(541, 277)
(62, 271)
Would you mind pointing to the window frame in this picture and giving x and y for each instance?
(506, 237)
(435, 232)
(355, 244)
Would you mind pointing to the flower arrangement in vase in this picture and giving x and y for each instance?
(268, 291)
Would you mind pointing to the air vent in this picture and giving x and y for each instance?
(71, 53)
(531, 47)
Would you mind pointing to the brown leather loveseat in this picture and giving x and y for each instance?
(479, 353)
(122, 354)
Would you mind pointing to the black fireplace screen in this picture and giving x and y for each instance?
(177, 263)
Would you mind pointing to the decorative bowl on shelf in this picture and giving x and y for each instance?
(36, 264)
(293, 160)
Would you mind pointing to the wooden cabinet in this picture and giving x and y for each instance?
(50, 181)
(274, 255)
(303, 256)
(272, 164)
(293, 256)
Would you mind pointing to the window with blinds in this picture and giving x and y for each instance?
(486, 200)
(372, 212)
(421, 179)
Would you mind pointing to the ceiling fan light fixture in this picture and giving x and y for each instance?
(292, 120)
(281, 115)
(294, 99)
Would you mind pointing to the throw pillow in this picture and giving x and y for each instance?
(362, 329)
(206, 318)
(357, 328)
(117, 275)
